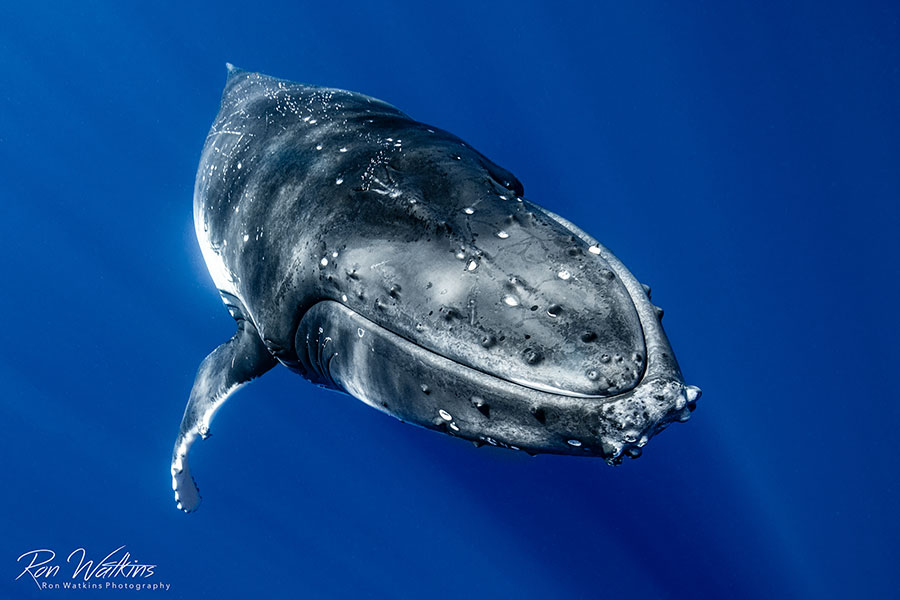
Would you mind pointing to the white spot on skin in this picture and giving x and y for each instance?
(511, 301)
(575, 443)
(240, 165)
(445, 415)
(472, 265)
(469, 211)
(324, 262)
(360, 332)
(595, 249)
(344, 149)
(339, 180)
(502, 235)
(344, 298)
(334, 255)
(564, 275)
(460, 255)
(246, 237)
(319, 147)
(454, 427)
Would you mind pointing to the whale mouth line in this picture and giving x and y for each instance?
(504, 381)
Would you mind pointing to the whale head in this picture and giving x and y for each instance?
(451, 302)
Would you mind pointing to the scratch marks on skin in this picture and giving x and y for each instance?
(383, 188)
(288, 103)
(212, 133)
(240, 134)
(230, 148)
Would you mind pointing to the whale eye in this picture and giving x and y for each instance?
(503, 177)
(515, 186)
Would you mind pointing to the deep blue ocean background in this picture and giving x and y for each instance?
(743, 158)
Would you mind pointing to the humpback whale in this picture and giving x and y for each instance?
(389, 260)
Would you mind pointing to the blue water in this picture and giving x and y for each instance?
(743, 158)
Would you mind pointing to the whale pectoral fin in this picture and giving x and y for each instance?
(239, 360)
